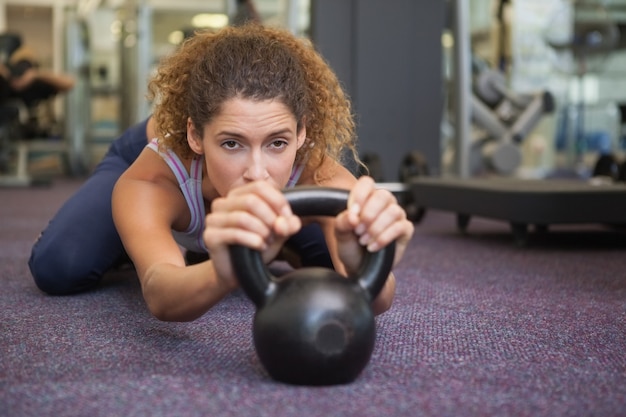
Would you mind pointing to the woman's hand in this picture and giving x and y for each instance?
(256, 215)
(372, 220)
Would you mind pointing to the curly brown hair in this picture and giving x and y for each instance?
(258, 63)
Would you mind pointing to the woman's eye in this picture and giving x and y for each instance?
(230, 144)
(279, 144)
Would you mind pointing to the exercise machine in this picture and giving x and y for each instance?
(520, 202)
(502, 119)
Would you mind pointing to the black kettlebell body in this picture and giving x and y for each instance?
(313, 326)
(316, 329)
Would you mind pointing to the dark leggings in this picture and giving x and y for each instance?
(81, 243)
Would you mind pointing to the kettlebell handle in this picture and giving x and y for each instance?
(258, 282)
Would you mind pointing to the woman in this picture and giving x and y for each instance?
(239, 115)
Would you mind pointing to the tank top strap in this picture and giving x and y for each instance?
(172, 160)
(191, 186)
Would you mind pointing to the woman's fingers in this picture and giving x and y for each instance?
(375, 218)
(251, 215)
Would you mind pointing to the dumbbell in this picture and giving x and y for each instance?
(608, 167)
(413, 165)
(373, 166)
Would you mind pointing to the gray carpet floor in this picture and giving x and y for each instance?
(479, 327)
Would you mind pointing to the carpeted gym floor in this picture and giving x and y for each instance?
(480, 327)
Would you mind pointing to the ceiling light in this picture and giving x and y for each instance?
(210, 20)
(176, 37)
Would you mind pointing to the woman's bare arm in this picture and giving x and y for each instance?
(145, 210)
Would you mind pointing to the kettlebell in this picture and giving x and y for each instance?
(312, 325)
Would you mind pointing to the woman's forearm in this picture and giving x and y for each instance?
(175, 293)
(384, 300)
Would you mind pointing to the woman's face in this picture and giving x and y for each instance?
(248, 141)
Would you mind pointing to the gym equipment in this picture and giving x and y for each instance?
(77, 112)
(582, 35)
(413, 165)
(312, 325)
(502, 120)
(518, 201)
(136, 60)
(523, 202)
(606, 166)
(9, 121)
(373, 165)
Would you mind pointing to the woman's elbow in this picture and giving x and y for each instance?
(157, 310)
(156, 305)
(162, 309)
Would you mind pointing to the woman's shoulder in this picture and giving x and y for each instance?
(151, 167)
(149, 184)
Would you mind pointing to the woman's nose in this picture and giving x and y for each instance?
(256, 169)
